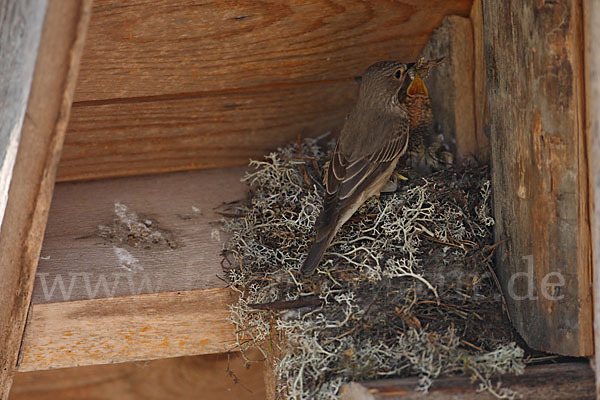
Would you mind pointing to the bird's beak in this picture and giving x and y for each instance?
(417, 87)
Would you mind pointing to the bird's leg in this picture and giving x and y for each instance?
(399, 176)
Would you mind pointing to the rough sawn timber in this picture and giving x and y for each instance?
(535, 86)
(196, 85)
(30, 192)
(103, 294)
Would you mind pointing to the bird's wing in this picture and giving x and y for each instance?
(345, 181)
(345, 176)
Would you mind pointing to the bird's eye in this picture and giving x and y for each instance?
(398, 74)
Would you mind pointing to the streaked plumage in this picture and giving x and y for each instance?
(372, 140)
(426, 151)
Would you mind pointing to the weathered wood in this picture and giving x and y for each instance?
(150, 47)
(533, 54)
(195, 132)
(451, 85)
(35, 168)
(20, 31)
(479, 84)
(136, 235)
(272, 382)
(129, 328)
(196, 85)
(591, 11)
(549, 382)
(130, 270)
(198, 377)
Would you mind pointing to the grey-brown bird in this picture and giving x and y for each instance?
(375, 135)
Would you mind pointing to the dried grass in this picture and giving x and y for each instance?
(407, 287)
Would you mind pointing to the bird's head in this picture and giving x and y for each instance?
(416, 72)
(382, 86)
(386, 84)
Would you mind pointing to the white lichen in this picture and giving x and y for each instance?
(395, 291)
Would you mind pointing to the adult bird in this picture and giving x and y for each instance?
(375, 135)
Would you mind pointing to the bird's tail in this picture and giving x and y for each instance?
(327, 226)
(316, 253)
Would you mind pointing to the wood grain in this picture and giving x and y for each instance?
(130, 270)
(20, 31)
(178, 85)
(592, 79)
(533, 55)
(96, 246)
(479, 84)
(549, 382)
(129, 328)
(451, 85)
(157, 47)
(33, 175)
(196, 132)
(196, 377)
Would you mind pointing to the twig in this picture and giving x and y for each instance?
(309, 301)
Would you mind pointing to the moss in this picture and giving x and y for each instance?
(405, 289)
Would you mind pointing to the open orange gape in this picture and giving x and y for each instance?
(125, 125)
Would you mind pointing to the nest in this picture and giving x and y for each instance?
(406, 288)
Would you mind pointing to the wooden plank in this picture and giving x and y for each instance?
(157, 47)
(170, 86)
(35, 169)
(20, 31)
(196, 132)
(136, 235)
(451, 85)
(129, 270)
(479, 83)
(205, 377)
(591, 11)
(549, 382)
(129, 328)
(533, 53)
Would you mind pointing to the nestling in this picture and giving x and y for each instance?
(426, 151)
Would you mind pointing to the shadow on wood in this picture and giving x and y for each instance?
(199, 377)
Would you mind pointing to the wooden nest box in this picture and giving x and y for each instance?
(144, 113)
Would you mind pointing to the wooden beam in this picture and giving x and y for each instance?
(178, 85)
(479, 83)
(214, 377)
(452, 86)
(130, 270)
(535, 89)
(592, 78)
(20, 31)
(552, 381)
(129, 328)
(35, 167)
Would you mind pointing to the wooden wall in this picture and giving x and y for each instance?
(536, 119)
(177, 85)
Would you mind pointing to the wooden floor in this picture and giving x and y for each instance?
(199, 377)
(130, 271)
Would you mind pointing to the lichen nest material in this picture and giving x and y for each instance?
(405, 289)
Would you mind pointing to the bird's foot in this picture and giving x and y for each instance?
(398, 175)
